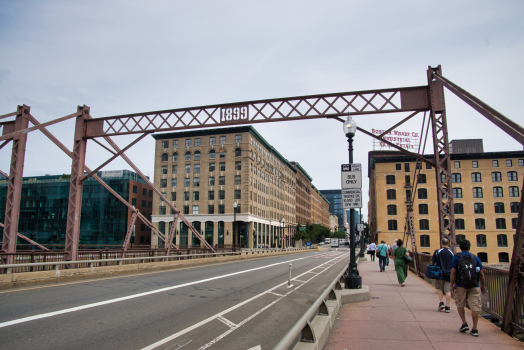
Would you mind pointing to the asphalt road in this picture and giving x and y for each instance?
(236, 305)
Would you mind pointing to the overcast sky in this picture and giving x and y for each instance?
(122, 57)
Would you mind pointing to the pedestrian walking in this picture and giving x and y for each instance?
(466, 272)
(443, 258)
(394, 246)
(400, 265)
(372, 250)
(382, 253)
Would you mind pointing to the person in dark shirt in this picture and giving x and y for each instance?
(442, 258)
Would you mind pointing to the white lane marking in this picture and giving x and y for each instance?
(116, 300)
(278, 295)
(258, 347)
(299, 281)
(226, 322)
(211, 318)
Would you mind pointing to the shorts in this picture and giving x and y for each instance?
(443, 285)
(472, 296)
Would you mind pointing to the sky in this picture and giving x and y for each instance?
(120, 57)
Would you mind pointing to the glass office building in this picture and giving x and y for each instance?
(104, 219)
(335, 205)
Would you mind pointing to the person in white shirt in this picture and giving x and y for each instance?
(372, 249)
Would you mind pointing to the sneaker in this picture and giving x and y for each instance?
(441, 306)
(447, 309)
(464, 328)
(474, 332)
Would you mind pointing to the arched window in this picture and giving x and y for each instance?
(188, 155)
(392, 209)
(459, 224)
(197, 155)
(497, 192)
(481, 241)
(424, 224)
(421, 178)
(391, 194)
(500, 224)
(459, 208)
(512, 176)
(480, 224)
(502, 240)
(483, 257)
(456, 177)
(422, 209)
(422, 193)
(175, 157)
(504, 257)
(424, 241)
(392, 225)
(460, 238)
(514, 206)
(496, 176)
(164, 157)
(212, 154)
(238, 152)
(457, 192)
(476, 177)
(390, 179)
(499, 208)
(477, 192)
(514, 191)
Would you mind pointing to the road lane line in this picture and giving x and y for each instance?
(133, 296)
(226, 322)
(214, 317)
(278, 295)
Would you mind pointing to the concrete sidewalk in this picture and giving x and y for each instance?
(407, 318)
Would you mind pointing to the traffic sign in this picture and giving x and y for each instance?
(351, 198)
(351, 176)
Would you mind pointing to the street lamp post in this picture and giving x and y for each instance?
(353, 280)
(235, 222)
(283, 231)
(362, 243)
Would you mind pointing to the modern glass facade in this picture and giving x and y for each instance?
(43, 208)
(335, 204)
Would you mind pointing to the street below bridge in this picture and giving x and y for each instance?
(234, 305)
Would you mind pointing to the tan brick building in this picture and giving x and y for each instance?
(486, 188)
(205, 172)
(319, 208)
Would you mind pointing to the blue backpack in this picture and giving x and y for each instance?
(434, 272)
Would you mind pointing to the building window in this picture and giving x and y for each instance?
(173, 182)
(421, 178)
(418, 165)
(475, 164)
(238, 194)
(504, 257)
(458, 208)
(443, 178)
(197, 155)
(521, 162)
(238, 152)
(513, 191)
(391, 194)
(222, 166)
(424, 224)
(196, 182)
(422, 209)
(238, 165)
(186, 209)
(211, 181)
(238, 138)
(212, 140)
(483, 257)
(222, 140)
(211, 195)
(221, 194)
(195, 209)
(222, 154)
(162, 211)
(165, 144)
(187, 182)
(500, 224)
(392, 209)
(238, 179)
(460, 238)
(175, 157)
(495, 163)
(211, 209)
(221, 180)
(408, 195)
(407, 180)
(144, 192)
(390, 179)
(428, 166)
(188, 142)
(514, 222)
(456, 177)
(497, 192)
(221, 209)
(211, 167)
(406, 167)
(512, 176)
(477, 192)
(457, 192)
(212, 154)
(188, 155)
(173, 196)
(164, 157)
(188, 168)
(514, 206)
(476, 177)
(196, 196)
(499, 208)
(175, 143)
(186, 196)
(422, 193)
(457, 164)
(502, 241)
(196, 168)
(163, 184)
(509, 163)
(424, 241)
(392, 225)
(496, 176)
(480, 224)
(399, 166)
(481, 241)
(459, 224)
(197, 142)
(174, 169)
(133, 202)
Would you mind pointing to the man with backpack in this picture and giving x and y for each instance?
(466, 272)
(442, 258)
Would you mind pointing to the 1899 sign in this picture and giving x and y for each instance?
(233, 114)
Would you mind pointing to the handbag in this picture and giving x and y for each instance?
(407, 259)
(433, 272)
(369, 251)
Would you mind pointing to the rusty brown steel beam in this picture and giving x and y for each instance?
(4, 143)
(172, 233)
(129, 233)
(99, 180)
(36, 127)
(115, 156)
(14, 186)
(28, 239)
(251, 112)
(4, 174)
(8, 115)
(102, 145)
(507, 125)
(399, 123)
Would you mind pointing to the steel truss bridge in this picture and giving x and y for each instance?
(427, 100)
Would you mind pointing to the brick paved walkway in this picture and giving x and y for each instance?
(407, 318)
